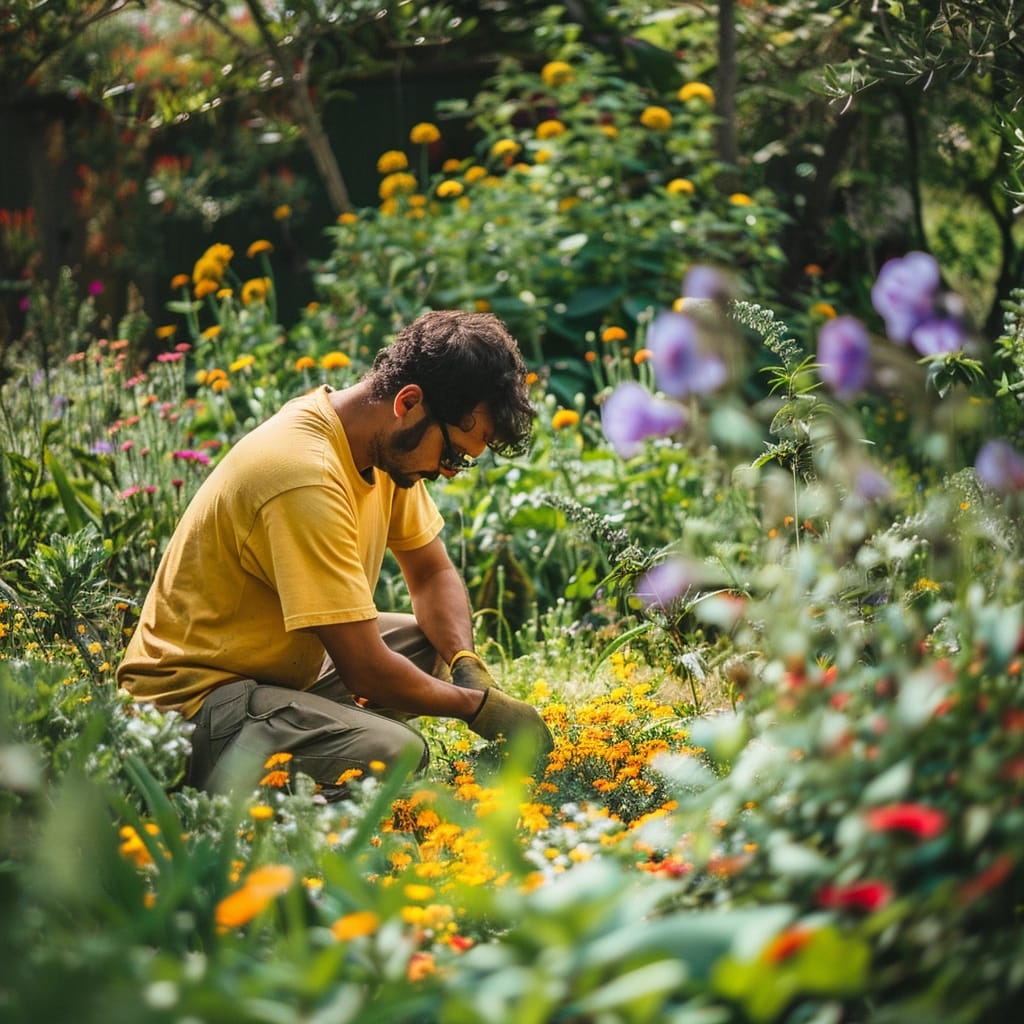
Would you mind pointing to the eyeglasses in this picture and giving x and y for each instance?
(453, 459)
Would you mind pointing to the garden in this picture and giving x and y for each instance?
(761, 571)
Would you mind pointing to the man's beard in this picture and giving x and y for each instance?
(387, 454)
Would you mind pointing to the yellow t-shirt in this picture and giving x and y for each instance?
(283, 535)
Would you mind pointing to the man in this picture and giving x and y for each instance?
(260, 625)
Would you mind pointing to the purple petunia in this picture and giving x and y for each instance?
(844, 355)
(938, 336)
(704, 282)
(681, 365)
(904, 293)
(630, 414)
(1000, 467)
(667, 581)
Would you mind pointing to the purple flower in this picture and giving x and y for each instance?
(704, 282)
(844, 355)
(681, 366)
(667, 581)
(904, 293)
(938, 336)
(95, 288)
(871, 485)
(631, 413)
(190, 455)
(103, 448)
(1000, 467)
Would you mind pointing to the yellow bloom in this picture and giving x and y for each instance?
(348, 775)
(242, 362)
(449, 189)
(565, 418)
(335, 361)
(355, 925)
(825, 309)
(304, 363)
(610, 130)
(399, 183)
(741, 199)
(656, 118)
(481, 306)
(392, 160)
(260, 889)
(418, 893)
(424, 134)
(277, 779)
(475, 173)
(260, 245)
(680, 186)
(207, 269)
(256, 290)
(282, 212)
(224, 293)
(347, 218)
(211, 332)
(613, 334)
(696, 91)
(179, 281)
(166, 331)
(276, 760)
(505, 149)
(451, 166)
(556, 72)
(261, 812)
(641, 355)
(550, 129)
(205, 286)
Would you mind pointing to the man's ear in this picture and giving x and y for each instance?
(407, 399)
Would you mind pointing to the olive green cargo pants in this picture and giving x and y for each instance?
(241, 724)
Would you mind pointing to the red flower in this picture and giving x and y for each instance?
(922, 822)
(868, 895)
(994, 875)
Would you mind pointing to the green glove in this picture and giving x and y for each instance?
(518, 722)
(469, 672)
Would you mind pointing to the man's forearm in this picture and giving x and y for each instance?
(441, 607)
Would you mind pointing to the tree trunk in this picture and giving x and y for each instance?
(725, 94)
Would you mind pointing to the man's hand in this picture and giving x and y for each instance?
(500, 715)
(469, 672)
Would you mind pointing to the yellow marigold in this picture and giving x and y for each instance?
(335, 361)
(825, 309)
(481, 306)
(256, 290)
(276, 779)
(261, 812)
(207, 269)
(474, 173)
(641, 355)
(348, 217)
(304, 363)
(680, 186)
(355, 925)
(260, 889)
(392, 160)
(556, 72)
(550, 129)
(542, 156)
(567, 203)
(204, 287)
(451, 166)
(741, 199)
(259, 246)
(179, 281)
(224, 293)
(221, 252)
(565, 418)
(424, 134)
(610, 130)
(449, 189)
(532, 378)
(242, 362)
(348, 775)
(211, 332)
(418, 893)
(399, 183)
(696, 91)
(613, 334)
(282, 212)
(656, 118)
(165, 331)
(813, 270)
(505, 148)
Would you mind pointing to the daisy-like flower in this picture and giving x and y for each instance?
(658, 119)
(424, 134)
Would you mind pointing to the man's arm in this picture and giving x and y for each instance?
(370, 669)
(439, 599)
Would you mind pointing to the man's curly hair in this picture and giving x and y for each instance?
(460, 360)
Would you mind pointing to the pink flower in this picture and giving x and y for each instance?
(169, 357)
(920, 821)
(190, 455)
(129, 492)
(868, 895)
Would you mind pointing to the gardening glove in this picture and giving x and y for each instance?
(518, 722)
(469, 672)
